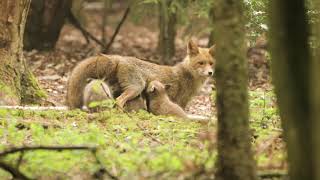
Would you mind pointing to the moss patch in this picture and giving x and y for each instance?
(31, 93)
(7, 95)
(130, 145)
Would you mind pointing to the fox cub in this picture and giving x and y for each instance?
(131, 76)
(159, 103)
(96, 91)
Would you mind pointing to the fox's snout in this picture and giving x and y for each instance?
(207, 71)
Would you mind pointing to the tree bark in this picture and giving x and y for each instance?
(167, 34)
(296, 85)
(316, 90)
(211, 35)
(235, 158)
(17, 84)
(44, 23)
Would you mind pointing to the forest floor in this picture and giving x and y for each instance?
(137, 145)
(132, 146)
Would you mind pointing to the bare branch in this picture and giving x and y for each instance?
(17, 174)
(124, 17)
(150, 135)
(102, 170)
(13, 171)
(73, 20)
(50, 148)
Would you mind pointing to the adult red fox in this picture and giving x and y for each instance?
(131, 75)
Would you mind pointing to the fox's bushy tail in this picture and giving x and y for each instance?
(97, 67)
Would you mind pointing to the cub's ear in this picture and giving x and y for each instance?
(212, 50)
(192, 48)
(150, 88)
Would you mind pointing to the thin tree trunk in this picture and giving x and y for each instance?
(235, 158)
(44, 23)
(316, 91)
(211, 35)
(167, 34)
(292, 77)
(17, 84)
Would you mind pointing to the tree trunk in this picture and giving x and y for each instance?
(211, 35)
(292, 77)
(316, 91)
(44, 23)
(235, 158)
(167, 34)
(17, 84)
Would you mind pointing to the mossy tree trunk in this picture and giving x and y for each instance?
(316, 91)
(17, 84)
(45, 21)
(235, 158)
(296, 80)
(167, 34)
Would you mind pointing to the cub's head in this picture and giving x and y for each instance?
(156, 88)
(200, 61)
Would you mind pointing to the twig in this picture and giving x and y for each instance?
(50, 148)
(150, 135)
(13, 171)
(102, 170)
(105, 91)
(40, 108)
(20, 159)
(17, 174)
(270, 175)
(124, 17)
(73, 20)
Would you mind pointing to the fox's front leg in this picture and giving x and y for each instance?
(128, 94)
(131, 82)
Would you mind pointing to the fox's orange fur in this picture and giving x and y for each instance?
(130, 75)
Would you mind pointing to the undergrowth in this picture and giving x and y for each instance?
(130, 146)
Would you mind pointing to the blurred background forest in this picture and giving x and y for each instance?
(262, 126)
(145, 29)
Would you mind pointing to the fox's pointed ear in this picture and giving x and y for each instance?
(212, 50)
(192, 48)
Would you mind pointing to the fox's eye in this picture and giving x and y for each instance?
(201, 63)
(211, 63)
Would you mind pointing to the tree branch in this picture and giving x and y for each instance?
(50, 148)
(17, 174)
(124, 17)
(271, 175)
(73, 20)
